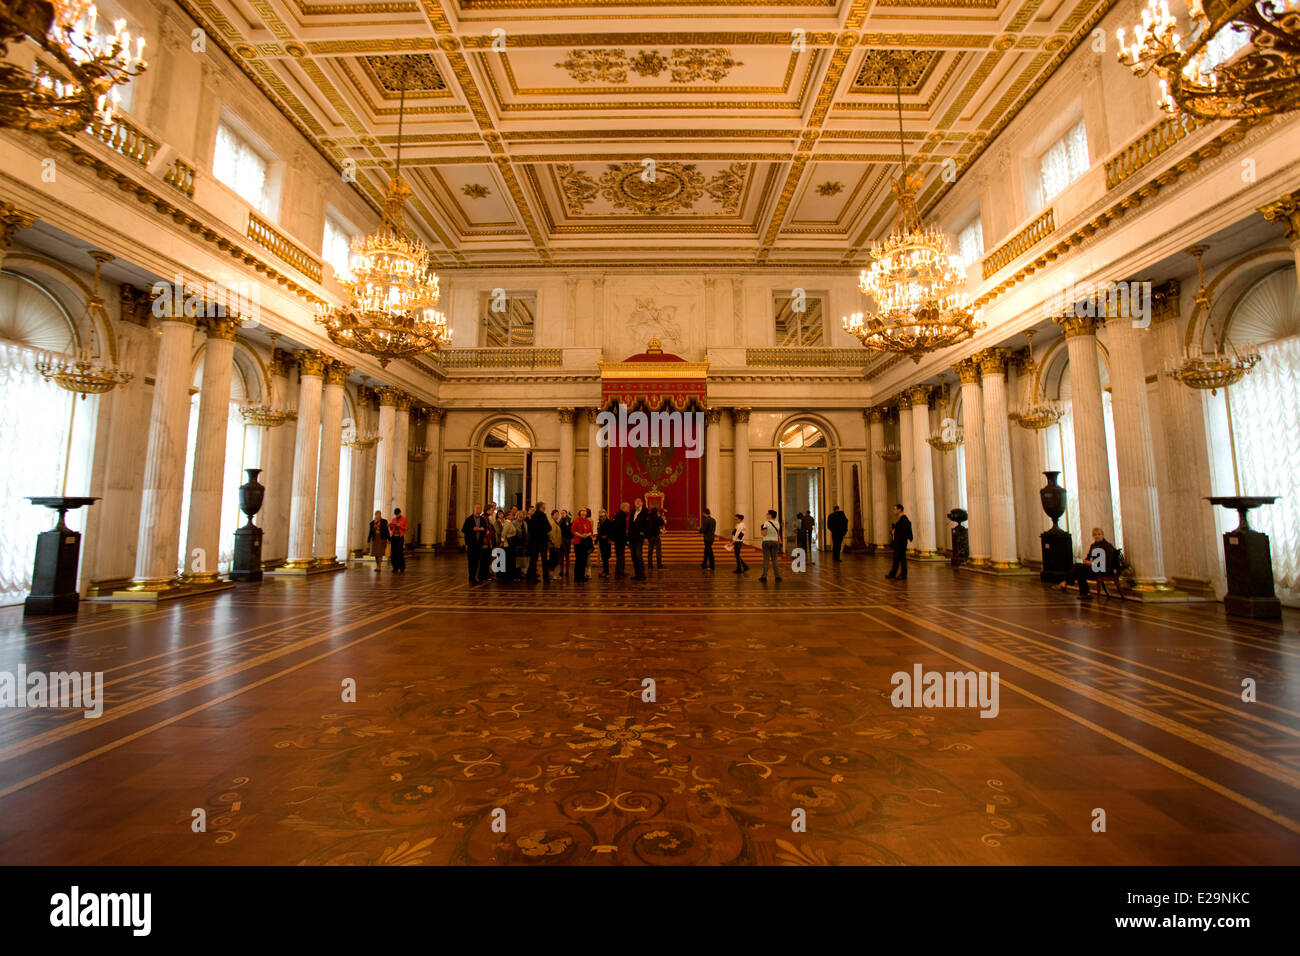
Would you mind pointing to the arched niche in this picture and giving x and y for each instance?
(1053, 370)
(1266, 311)
(511, 430)
(251, 380)
(1226, 289)
(30, 316)
(805, 431)
(72, 292)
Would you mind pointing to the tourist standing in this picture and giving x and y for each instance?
(539, 536)
(622, 531)
(473, 543)
(771, 529)
(838, 524)
(653, 526)
(605, 537)
(636, 533)
(708, 530)
(566, 541)
(899, 535)
(378, 538)
(583, 533)
(737, 542)
(397, 541)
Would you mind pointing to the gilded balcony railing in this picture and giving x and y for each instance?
(122, 137)
(1148, 146)
(797, 357)
(266, 236)
(180, 176)
(1021, 242)
(501, 358)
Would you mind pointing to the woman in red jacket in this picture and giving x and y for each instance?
(584, 540)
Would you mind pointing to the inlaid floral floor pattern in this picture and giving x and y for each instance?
(694, 720)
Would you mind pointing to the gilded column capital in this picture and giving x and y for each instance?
(968, 370)
(1073, 325)
(281, 362)
(336, 372)
(919, 395)
(12, 221)
(713, 415)
(310, 362)
(993, 361)
(387, 395)
(418, 414)
(567, 415)
(437, 415)
(740, 415)
(404, 402)
(168, 306)
(221, 328)
(134, 306)
(1166, 301)
(875, 414)
(365, 395)
(1286, 211)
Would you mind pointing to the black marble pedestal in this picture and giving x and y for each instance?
(1248, 564)
(58, 551)
(246, 565)
(960, 537)
(1058, 555)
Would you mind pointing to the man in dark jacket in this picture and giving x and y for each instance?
(637, 526)
(654, 547)
(620, 537)
(837, 522)
(472, 534)
(899, 535)
(539, 534)
(708, 531)
(605, 538)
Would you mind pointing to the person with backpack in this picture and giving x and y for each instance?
(771, 529)
(737, 541)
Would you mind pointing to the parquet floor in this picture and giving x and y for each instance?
(768, 700)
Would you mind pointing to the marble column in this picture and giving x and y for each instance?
(1092, 460)
(880, 507)
(907, 464)
(432, 475)
(922, 505)
(1028, 465)
(568, 460)
(325, 535)
(595, 465)
(359, 483)
(713, 462)
(311, 370)
(997, 450)
(1286, 211)
(740, 441)
(203, 544)
(977, 488)
(278, 477)
(401, 446)
(385, 461)
(158, 540)
(1138, 498)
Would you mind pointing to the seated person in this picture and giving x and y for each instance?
(1102, 559)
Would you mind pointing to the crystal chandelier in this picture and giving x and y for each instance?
(72, 76)
(889, 453)
(1036, 413)
(392, 295)
(1199, 80)
(1201, 371)
(83, 373)
(263, 415)
(938, 442)
(915, 284)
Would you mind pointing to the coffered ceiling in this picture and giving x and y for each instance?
(555, 133)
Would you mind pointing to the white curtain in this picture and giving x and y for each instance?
(961, 478)
(1265, 411)
(239, 166)
(34, 416)
(345, 500)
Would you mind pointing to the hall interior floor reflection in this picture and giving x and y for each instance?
(768, 699)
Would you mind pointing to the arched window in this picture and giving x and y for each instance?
(506, 435)
(802, 435)
(35, 419)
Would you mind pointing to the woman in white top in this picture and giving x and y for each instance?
(737, 538)
(771, 545)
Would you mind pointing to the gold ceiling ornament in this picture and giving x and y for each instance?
(84, 373)
(392, 293)
(1223, 368)
(684, 64)
(1036, 413)
(830, 188)
(69, 77)
(917, 286)
(666, 188)
(1242, 59)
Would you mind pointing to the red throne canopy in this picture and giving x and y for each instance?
(665, 477)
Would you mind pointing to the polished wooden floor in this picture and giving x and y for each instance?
(768, 698)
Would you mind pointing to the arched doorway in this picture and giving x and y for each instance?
(506, 447)
(804, 455)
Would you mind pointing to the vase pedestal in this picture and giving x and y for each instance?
(1058, 555)
(246, 565)
(58, 552)
(1248, 563)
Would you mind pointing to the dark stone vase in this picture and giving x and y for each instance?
(247, 562)
(251, 494)
(960, 537)
(1052, 496)
(1057, 545)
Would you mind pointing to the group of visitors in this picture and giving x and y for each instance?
(389, 536)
